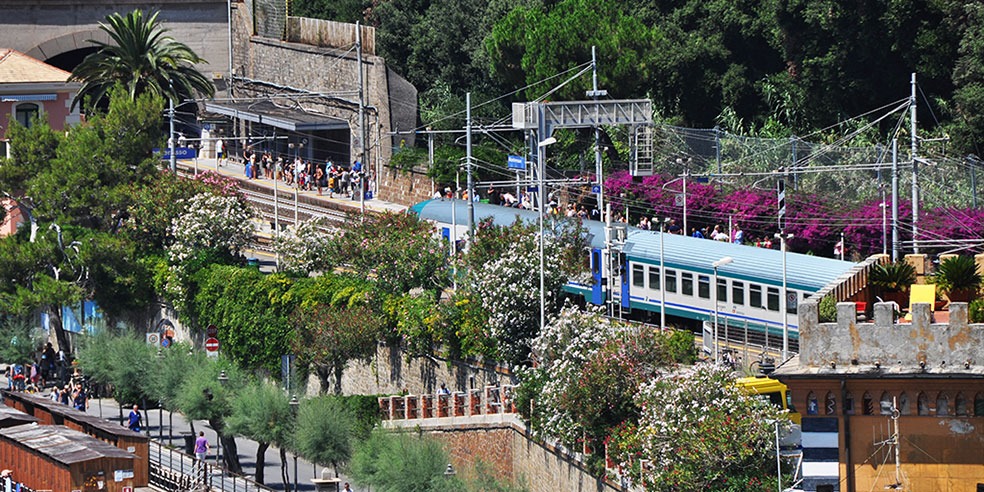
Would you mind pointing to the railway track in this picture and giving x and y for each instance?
(290, 209)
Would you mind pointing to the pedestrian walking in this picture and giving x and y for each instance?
(201, 446)
(135, 419)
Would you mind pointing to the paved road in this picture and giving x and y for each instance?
(109, 410)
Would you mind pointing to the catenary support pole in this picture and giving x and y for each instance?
(468, 168)
(915, 168)
(364, 159)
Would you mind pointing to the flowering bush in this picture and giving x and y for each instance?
(212, 228)
(305, 248)
(590, 369)
(698, 431)
(399, 251)
(815, 220)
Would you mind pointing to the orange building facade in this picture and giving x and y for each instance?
(888, 405)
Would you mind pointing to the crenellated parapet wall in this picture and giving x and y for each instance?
(920, 345)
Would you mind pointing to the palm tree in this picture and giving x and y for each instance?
(141, 59)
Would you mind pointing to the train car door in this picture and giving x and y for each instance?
(623, 267)
(598, 288)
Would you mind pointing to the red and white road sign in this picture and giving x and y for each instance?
(212, 344)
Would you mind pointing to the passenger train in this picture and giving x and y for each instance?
(749, 287)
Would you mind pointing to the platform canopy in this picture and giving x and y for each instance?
(267, 113)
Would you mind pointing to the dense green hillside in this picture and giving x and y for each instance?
(779, 67)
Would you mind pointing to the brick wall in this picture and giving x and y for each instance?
(514, 456)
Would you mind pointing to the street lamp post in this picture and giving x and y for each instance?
(783, 305)
(541, 168)
(717, 264)
(219, 456)
(778, 459)
(293, 411)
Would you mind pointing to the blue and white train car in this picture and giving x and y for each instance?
(749, 287)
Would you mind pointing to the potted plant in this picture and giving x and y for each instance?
(957, 277)
(893, 281)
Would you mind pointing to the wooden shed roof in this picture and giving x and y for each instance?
(62, 444)
(74, 415)
(10, 417)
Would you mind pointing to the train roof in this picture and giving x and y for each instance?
(805, 272)
(439, 210)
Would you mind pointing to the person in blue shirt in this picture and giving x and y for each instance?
(135, 418)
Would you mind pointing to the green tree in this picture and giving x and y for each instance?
(203, 397)
(328, 337)
(89, 181)
(143, 59)
(251, 311)
(398, 252)
(124, 361)
(968, 79)
(535, 41)
(19, 339)
(395, 462)
(324, 431)
(172, 367)
(261, 412)
(31, 151)
(40, 276)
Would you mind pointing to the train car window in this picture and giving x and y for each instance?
(638, 276)
(671, 280)
(686, 283)
(773, 299)
(738, 293)
(755, 295)
(704, 288)
(595, 261)
(654, 278)
(722, 290)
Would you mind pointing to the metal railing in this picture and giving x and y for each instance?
(171, 469)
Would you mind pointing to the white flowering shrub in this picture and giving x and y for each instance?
(508, 288)
(562, 350)
(305, 247)
(211, 222)
(698, 431)
(211, 225)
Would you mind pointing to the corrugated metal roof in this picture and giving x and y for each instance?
(440, 211)
(62, 444)
(805, 272)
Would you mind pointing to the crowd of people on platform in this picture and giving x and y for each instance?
(49, 369)
(46, 367)
(521, 199)
(308, 175)
(716, 233)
